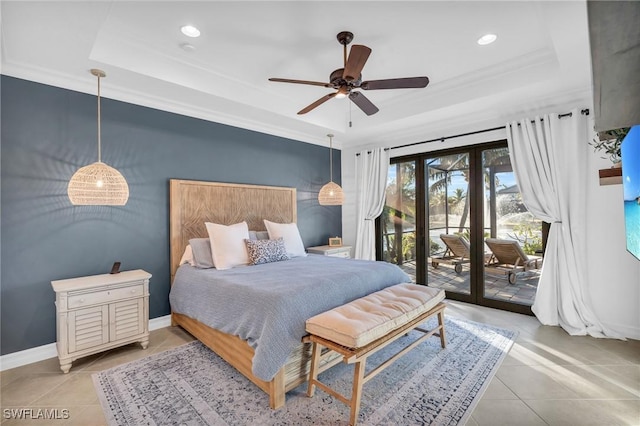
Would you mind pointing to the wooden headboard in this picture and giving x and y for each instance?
(192, 203)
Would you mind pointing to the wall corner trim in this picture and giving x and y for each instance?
(40, 353)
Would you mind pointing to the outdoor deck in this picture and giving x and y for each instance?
(496, 286)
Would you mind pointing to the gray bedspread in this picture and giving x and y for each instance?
(268, 304)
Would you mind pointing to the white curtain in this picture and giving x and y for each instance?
(549, 157)
(372, 167)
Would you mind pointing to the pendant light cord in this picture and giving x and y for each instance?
(99, 139)
(330, 157)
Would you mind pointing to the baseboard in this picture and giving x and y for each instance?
(40, 353)
(160, 322)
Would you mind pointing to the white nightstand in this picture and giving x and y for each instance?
(101, 312)
(342, 251)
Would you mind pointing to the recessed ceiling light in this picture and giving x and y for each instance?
(190, 31)
(487, 39)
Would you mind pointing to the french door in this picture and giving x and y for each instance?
(440, 208)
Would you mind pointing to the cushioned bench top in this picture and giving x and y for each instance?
(371, 317)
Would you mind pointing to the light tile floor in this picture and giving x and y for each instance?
(548, 378)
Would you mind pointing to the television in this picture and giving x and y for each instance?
(630, 153)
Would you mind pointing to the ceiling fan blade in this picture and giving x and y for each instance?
(317, 103)
(312, 83)
(363, 103)
(357, 58)
(396, 83)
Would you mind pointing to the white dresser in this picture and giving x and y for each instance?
(100, 312)
(335, 251)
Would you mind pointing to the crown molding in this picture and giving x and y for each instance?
(478, 119)
(315, 135)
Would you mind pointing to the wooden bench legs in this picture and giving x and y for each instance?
(358, 356)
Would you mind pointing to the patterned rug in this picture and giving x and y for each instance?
(190, 385)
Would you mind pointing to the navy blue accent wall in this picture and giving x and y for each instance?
(48, 133)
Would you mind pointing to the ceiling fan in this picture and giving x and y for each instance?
(345, 80)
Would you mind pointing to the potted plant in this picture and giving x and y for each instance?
(609, 143)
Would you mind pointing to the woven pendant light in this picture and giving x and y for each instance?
(98, 184)
(331, 194)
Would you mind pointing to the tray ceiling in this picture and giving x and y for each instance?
(540, 61)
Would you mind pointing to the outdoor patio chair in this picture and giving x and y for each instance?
(456, 253)
(508, 258)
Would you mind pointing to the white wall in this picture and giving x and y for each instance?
(614, 274)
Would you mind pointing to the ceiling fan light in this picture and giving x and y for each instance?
(487, 39)
(341, 95)
(331, 195)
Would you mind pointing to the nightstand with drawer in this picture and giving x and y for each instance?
(335, 251)
(100, 312)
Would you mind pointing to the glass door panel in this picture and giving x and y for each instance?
(443, 207)
(398, 219)
(448, 222)
(513, 253)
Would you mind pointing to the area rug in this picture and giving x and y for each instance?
(190, 385)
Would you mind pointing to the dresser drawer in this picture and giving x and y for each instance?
(342, 251)
(104, 296)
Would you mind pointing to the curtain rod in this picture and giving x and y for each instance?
(442, 139)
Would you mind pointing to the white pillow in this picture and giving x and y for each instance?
(187, 256)
(227, 244)
(290, 234)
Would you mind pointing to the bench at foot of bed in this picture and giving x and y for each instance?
(362, 327)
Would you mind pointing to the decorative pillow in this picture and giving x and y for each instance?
(290, 234)
(266, 251)
(201, 249)
(227, 244)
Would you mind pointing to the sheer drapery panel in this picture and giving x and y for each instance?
(549, 159)
(372, 167)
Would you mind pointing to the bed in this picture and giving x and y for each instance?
(275, 359)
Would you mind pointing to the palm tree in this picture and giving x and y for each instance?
(400, 208)
(441, 170)
(457, 198)
(490, 158)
